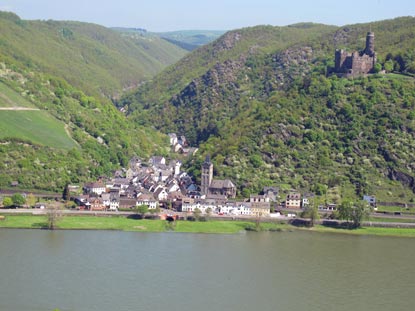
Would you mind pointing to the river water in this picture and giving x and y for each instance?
(110, 270)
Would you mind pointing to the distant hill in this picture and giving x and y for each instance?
(191, 39)
(259, 101)
(185, 39)
(94, 58)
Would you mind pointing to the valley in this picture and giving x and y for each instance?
(259, 100)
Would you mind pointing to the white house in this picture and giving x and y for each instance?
(148, 200)
(202, 205)
(173, 139)
(160, 194)
(177, 167)
(235, 208)
(157, 161)
(95, 187)
(114, 205)
(173, 187)
(106, 199)
(307, 198)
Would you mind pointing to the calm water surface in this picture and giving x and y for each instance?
(104, 270)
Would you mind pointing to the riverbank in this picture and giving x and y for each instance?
(212, 226)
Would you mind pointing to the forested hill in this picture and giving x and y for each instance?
(57, 125)
(93, 58)
(260, 102)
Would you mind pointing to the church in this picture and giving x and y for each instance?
(210, 186)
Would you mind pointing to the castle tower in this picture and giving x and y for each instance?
(207, 175)
(370, 44)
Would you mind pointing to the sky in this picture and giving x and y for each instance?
(169, 15)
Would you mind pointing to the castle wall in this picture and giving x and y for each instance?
(362, 64)
(355, 64)
(343, 61)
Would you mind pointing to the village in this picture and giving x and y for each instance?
(161, 184)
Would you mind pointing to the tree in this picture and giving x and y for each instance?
(258, 221)
(208, 213)
(30, 200)
(142, 210)
(377, 68)
(388, 65)
(7, 202)
(18, 199)
(66, 194)
(355, 213)
(360, 212)
(197, 212)
(311, 212)
(53, 214)
(154, 210)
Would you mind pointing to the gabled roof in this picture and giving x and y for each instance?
(271, 189)
(294, 196)
(105, 196)
(121, 181)
(93, 185)
(220, 184)
(158, 191)
(145, 197)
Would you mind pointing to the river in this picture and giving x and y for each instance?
(111, 270)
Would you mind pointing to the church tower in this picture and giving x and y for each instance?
(207, 175)
(370, 44)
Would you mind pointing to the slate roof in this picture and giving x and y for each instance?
(221, 184)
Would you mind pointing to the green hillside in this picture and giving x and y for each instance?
(57, 125)
(259, 101)
(93, 58)
(71, 138)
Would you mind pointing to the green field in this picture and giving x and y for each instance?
(10, 98)
(35, 126)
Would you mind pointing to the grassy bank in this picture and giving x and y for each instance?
(213, 226)
(123, 224)
(392, 232)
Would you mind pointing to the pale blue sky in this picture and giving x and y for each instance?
(164, 15)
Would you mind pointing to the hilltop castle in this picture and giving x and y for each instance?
(356, 63)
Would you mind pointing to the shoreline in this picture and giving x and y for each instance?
(120, 223)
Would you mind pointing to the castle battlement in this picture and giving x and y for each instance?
(356, 63)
